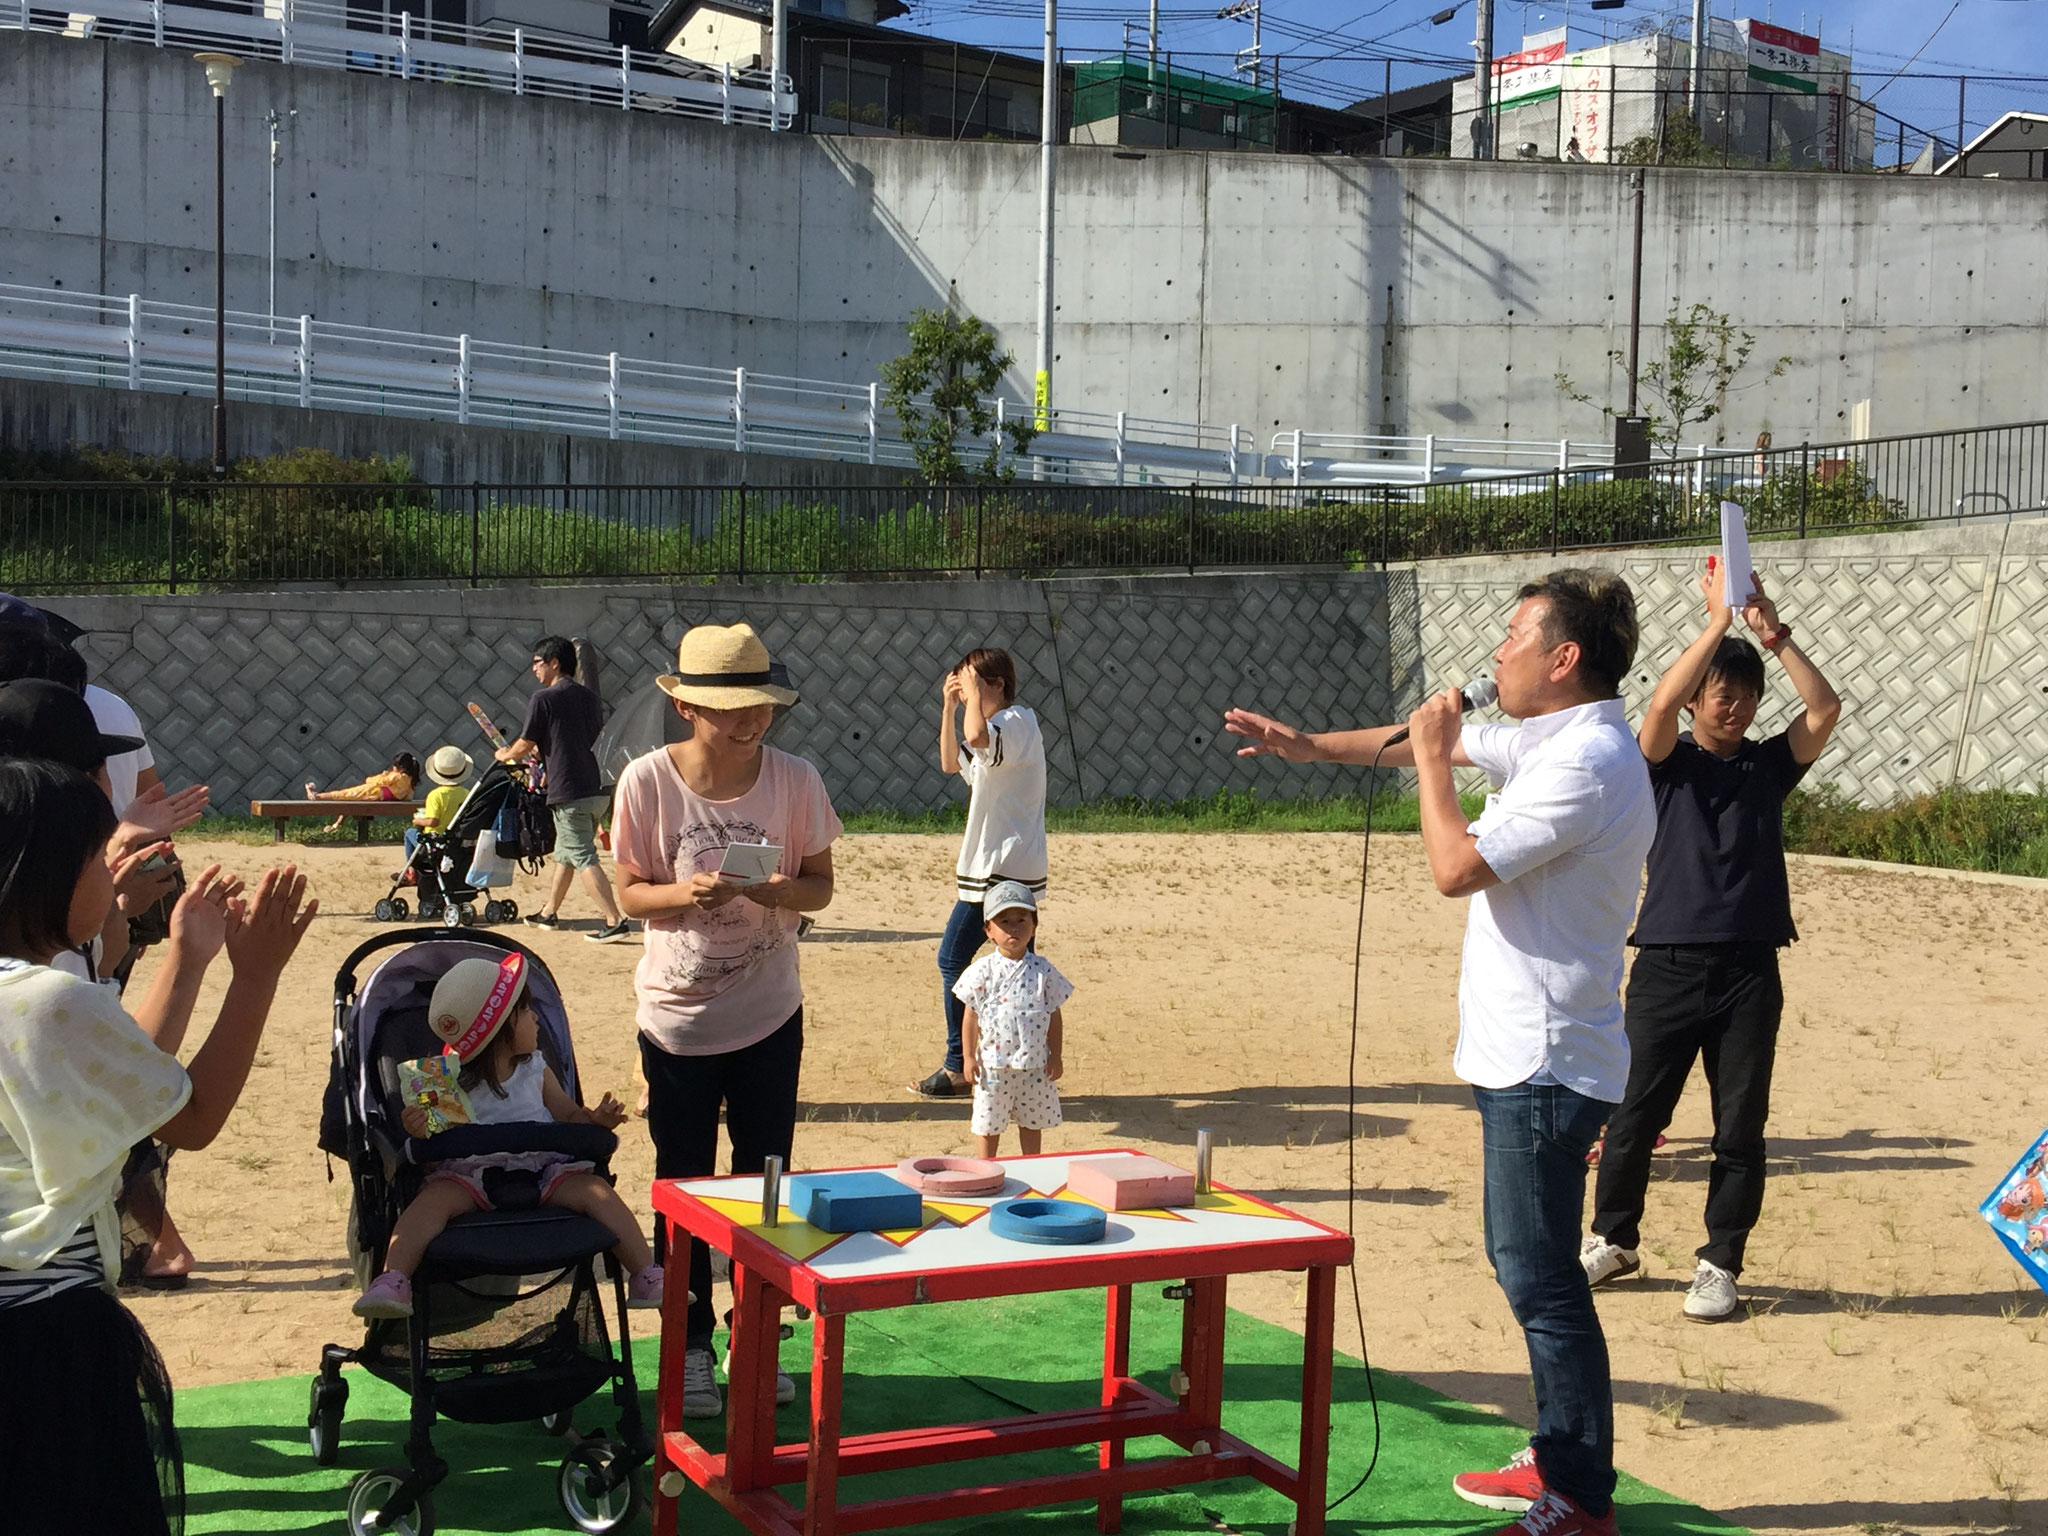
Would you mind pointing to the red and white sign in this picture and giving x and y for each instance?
(1779, 57)
(1534, 73)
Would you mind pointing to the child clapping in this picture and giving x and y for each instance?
(1011, 1035)
(482, 1011)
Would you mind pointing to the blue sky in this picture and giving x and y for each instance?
(1986, 37)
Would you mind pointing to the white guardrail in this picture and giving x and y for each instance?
(524, 61)
(126, 342)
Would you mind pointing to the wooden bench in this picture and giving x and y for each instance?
(278, 812)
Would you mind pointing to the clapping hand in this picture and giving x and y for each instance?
(164, 813)
(1269, 738)
(263, 932)
(137, 889)
(199, 922)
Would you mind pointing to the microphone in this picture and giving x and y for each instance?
(1477, 694)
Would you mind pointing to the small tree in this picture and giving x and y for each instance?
(943, 386)
(1691, 382)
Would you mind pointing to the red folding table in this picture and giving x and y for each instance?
(954, 1256)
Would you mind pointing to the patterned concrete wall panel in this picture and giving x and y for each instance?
(1152, 668)
(2007, 742)
(256, 694)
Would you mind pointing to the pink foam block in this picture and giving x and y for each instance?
(1130, 1183)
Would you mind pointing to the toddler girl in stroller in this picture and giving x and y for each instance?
(481, 1011)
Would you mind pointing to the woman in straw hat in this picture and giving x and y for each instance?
(720, 999)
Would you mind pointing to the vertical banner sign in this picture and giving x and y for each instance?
(1588, 94)
(1779, 57)
(1041, 402)
(1536, 73)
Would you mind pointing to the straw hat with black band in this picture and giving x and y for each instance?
(726, 667)
(449, 765)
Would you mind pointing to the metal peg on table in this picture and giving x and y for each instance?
(771, 1192)
(1202, 1162)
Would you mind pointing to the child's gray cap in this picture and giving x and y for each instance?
(1005, 895)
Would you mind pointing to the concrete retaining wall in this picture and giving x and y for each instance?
(1935, 641)
(1272, 291)
(47, 417)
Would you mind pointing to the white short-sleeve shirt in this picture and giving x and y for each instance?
(1566, 830)
(1005, 837)
(116, 717)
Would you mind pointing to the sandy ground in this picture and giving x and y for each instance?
(1886, 1380)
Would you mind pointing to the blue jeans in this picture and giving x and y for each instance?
(963, 939)
(1537, 1137)
(412, 841)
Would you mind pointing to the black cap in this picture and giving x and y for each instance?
(19, 613)
(62, 629)
(47, 720)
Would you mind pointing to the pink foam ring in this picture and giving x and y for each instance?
(1135, 1183)
(951, 1175)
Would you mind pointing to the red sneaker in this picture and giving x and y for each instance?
(1515, 1486)
(1555, 1515)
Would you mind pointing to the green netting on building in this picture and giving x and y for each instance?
(1193, 101)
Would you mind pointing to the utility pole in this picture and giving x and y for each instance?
(1048, 134)
(275, 155)
(1152, 46)
(1635, 295)
(1697, 89)
(1249, 60)
(778, 62)
(1482, 78)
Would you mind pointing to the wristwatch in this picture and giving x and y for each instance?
(1778, 636)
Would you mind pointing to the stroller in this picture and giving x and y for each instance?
(508, 1318)
(441, 860)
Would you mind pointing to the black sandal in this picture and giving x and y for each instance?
(940, 1085)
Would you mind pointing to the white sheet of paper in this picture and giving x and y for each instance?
(749, 863)
(1735, 567)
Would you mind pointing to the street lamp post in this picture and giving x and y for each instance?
(1048, 135)
(220, 72)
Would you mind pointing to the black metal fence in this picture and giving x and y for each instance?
(200, 535)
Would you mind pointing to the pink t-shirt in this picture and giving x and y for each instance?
(712, 982)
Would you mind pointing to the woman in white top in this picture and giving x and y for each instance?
(87, 1441)
(994, 743)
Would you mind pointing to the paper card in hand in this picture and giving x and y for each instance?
(1735, 566)
(433, 1083)
(2018, 1211)
(749, 863)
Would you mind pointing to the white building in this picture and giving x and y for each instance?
(1770, 97)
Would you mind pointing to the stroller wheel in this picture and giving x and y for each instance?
(430, 907)
(557, 1423)
(400, 906)
(590, 1496)
(386, 911)
(465, 916)
(367, 1495)
(323, 1419)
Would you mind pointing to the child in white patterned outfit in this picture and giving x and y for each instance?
(1013, 1029)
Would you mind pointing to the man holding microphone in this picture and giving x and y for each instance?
(1553, 865)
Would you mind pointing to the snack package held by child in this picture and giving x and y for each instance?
(2018, 1211)
(433, 1083)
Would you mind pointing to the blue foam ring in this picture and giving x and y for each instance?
(1059, 1222)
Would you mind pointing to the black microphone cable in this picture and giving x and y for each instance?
(1351, 1130)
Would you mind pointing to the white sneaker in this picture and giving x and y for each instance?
(1603, 1262)
(701, 1397)
(785, 1386)
(1711, 1298)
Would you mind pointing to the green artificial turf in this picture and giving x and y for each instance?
(249, 1469)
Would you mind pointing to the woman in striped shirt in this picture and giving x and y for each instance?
(86, 1435)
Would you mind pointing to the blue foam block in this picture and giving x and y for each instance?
(1054, 1222)
(854, 1202)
